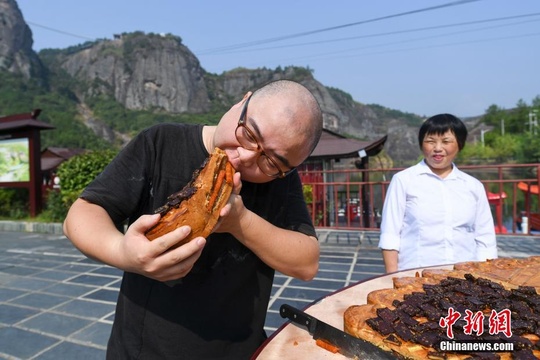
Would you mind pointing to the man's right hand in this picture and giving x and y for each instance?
(91, 230)
(158, 259)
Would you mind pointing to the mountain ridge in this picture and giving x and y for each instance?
(158, 74)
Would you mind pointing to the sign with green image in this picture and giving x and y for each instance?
(14, 160)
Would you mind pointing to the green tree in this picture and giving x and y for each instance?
(506, 147)
(76, 173)
(493, 117)
(475, 153)
(530, 148)
(536, 102)
(521, 115)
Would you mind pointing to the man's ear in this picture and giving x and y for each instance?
(241, 102)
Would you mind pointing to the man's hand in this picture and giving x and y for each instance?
(158, 259)
(91, 230)
(232, 213)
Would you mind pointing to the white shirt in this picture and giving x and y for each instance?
(435, 221)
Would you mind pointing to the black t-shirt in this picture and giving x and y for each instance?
(218, 310)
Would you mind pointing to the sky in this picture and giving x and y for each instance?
(418, 56)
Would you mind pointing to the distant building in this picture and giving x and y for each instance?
(51, 158)
(333, 147)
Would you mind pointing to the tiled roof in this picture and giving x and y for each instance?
(20, 121)
(51, 157)
(333, 145)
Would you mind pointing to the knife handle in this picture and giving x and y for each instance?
(298, 317)
(325, 334)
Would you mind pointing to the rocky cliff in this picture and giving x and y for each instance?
(16, 54)
(142, 72)
(336, 114)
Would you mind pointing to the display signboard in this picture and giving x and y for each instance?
(15, 160)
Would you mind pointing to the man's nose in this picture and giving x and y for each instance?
(247, 157)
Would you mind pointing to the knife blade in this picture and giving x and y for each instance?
(348, 345)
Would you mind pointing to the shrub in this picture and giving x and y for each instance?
(308, 194)
(54, 209)
(14, 203)
(76, 173)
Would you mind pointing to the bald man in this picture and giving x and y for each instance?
(206, 299)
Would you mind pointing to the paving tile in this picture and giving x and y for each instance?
(373, 259)
(40, 300)
(23, 344)
(86, 309)
(10, 314)
(5, 265)
(273, 321)
(89, 261)
(95, 280)
(280, 279)
(318, 283)
(7, 278)
(303, 293)
(67, 289)
(7, 294)
(109, 318)
(369, 268)
(21, 270)
(103, 295)
(75, 267)
(68, 350)
(19, 260)
(107, 270)
(46, 263)
(97, 334)
(337, 256)
(332, 266)
(299, 304)
(361, 277)
(57, 275)
(56, 324)
(115, 284)
(28, 284)
(60, 259)
(330, 274)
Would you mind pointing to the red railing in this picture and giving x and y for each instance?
(353, 199)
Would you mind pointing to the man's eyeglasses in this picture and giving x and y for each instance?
(248, 141)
